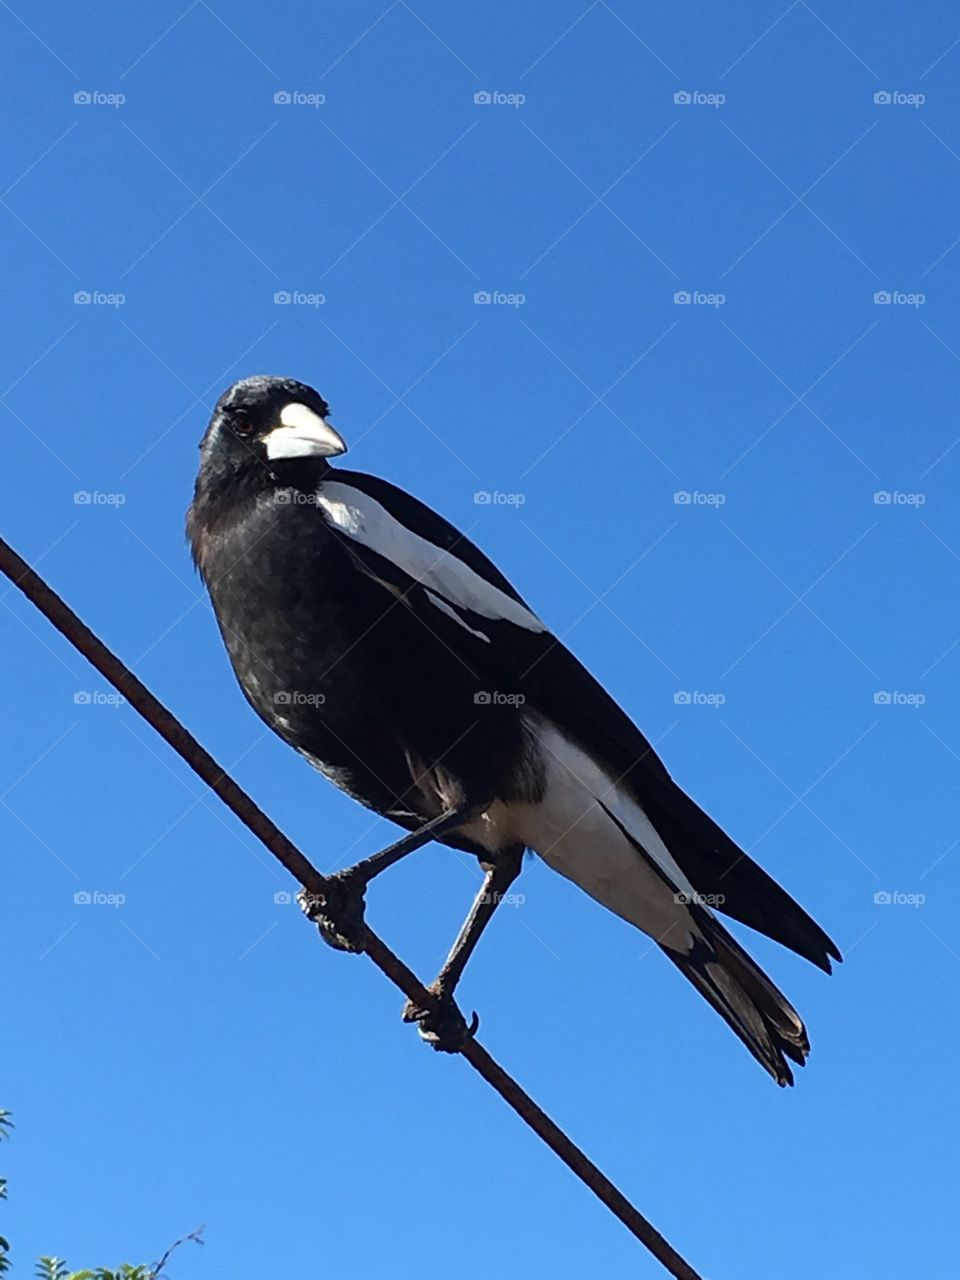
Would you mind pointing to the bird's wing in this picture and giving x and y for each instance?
(467, 603)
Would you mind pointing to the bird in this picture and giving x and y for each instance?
(386, 649)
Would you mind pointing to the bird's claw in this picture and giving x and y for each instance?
(441, 1025)
(338, 912)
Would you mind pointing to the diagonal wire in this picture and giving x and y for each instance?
(252, 816)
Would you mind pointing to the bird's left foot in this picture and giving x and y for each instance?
(442, 1025)
(339, 911)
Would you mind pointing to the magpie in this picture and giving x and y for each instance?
(383, 646)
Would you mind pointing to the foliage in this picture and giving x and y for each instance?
(6, 1124)
(57, 1269)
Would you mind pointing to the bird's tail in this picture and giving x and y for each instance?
(725, 975)
(593, 829)
(743, 995)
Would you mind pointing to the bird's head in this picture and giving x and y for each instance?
(262, 421)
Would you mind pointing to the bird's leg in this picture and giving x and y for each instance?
(338, 911)
(443, 1025)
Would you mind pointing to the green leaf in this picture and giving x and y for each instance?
(51, 1269)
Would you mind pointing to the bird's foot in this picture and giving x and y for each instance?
(441, 1025)
(338, 912)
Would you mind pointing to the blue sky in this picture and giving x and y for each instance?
(687, 491)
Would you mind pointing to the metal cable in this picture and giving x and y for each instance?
(189, 749)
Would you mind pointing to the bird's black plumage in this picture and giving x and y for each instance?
(385, 647)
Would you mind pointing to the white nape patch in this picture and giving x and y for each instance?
(303, 434)
(573, 835)
(447, 608)
(443, 572)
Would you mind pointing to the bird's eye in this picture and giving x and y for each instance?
(242, 425)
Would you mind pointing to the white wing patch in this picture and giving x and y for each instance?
(445, 607)
(577, 786)
(442, 572)
(572, 831)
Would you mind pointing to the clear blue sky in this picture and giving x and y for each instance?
(195, 1054)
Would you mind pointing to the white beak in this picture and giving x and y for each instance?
(303, 434)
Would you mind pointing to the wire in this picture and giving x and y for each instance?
(189, 749)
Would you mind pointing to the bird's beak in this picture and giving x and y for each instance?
(303, 434)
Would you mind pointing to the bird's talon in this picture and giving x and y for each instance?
(442, 1025)
(338, 912)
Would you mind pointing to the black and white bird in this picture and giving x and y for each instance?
(384, 647)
